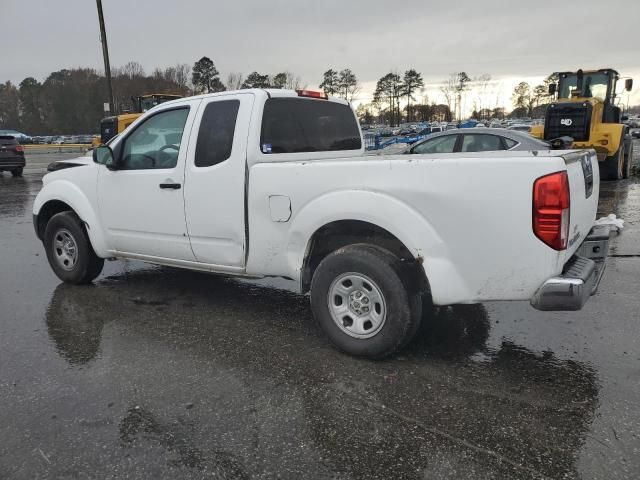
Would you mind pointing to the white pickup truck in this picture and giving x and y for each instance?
(259, 183)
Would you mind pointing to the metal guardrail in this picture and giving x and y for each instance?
(56, 148)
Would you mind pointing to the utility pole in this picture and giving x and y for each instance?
(105, 55)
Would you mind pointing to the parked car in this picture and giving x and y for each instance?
(634, 122)
(22, 138)
(520, 127)
(11, 155)
(430, 130)
(295, 197)
(635, 133)
(477, 140)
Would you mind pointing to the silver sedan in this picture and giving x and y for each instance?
(477, 140)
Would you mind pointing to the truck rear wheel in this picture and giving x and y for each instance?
(363, 298)
(611, 168)
(17, 172)
(628, 160)
(69, 250)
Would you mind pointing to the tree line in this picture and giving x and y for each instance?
(71, 100)
(532, 101)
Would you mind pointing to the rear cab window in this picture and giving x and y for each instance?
(294, 125)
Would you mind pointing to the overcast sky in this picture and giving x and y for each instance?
(508, 39)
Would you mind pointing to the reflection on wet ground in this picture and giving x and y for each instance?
(450, 399)
(161, 373)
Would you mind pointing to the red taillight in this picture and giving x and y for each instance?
(19, 148)
(551, 203)
(312, 94)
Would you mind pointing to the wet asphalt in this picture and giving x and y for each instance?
(161, 373)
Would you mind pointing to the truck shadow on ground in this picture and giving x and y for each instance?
(448, 404)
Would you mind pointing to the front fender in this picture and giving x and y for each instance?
(389, 213)
(68, 192)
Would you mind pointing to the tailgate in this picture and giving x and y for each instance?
(584, 183)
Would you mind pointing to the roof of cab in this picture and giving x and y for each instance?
(259, 92)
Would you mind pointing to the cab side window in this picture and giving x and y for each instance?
(217, 128)
(155, 144)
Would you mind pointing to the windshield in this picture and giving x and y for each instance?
(594, 85)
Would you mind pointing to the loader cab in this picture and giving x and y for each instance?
(142, 103)
(598, 85)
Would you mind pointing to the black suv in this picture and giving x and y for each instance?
(11, 155)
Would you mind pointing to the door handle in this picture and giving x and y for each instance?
(170, 186)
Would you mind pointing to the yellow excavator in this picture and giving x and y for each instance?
(586, 111)
(112, 126)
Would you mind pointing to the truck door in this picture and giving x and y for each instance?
(215, 180)
(141, 203)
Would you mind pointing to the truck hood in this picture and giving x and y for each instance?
(62, 164)
(64, 169)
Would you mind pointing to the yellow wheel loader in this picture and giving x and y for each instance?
(586, 111)
(112, 126)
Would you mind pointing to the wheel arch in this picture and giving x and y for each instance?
(340, 233)
(409, 227)
(59, 196)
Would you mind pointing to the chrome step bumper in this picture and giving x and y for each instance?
(580, 277)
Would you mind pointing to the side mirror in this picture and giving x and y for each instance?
(103, 155)
(628, 84)
(552, 88)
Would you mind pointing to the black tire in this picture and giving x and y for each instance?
(390, 276)
(610, 168)
(87, 265)
(17, 172)
(628, 159)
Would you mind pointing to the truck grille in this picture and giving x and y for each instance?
(568, 120)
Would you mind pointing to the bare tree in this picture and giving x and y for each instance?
(131, 70)
(234, 81)
(481, 86)
(448, 90)
(293, 82)
(182, 74)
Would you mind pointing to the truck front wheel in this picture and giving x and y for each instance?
(366, 301)
(611, 167)
(69, 250)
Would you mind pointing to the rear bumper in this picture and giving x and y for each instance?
(8, 163)
(580, 277)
